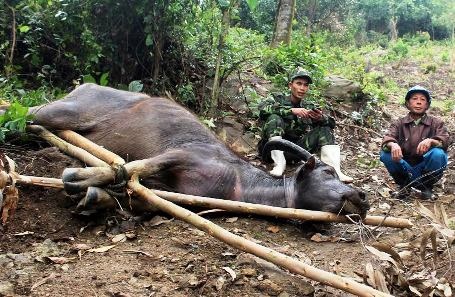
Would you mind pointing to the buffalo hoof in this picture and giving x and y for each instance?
(77, 180)
(96, 198)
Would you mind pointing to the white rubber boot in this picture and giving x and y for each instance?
(278, 159)
(331, 155)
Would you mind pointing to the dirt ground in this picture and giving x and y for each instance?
(48, 250)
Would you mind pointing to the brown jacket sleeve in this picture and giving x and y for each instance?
(441, 133)
(392, 133)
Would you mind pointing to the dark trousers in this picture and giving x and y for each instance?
(422, 175)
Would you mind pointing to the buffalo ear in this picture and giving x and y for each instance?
(306, 168)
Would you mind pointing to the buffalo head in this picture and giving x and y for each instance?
(316, 185)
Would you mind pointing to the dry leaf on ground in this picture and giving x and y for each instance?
(101, 249)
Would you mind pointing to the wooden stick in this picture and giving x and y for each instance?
(66, 147)
(361, 128)
(91, 147)
(243, 207)
(38, 181)
(248, 246)
(279, 212)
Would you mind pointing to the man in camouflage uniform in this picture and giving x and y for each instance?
(303, 123)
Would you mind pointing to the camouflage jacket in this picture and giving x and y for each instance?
(281, 105)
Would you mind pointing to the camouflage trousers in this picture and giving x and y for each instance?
(308, 136)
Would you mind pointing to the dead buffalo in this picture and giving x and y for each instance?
(190, 158)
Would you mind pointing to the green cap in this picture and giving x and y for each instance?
(301, 73)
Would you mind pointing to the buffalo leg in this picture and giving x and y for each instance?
(98, 199)
(76, 180)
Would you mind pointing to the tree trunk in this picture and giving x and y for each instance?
(393, 29)
(311, 13)
(157, 56)
(283, 23)
(225, 25)
(13, 42)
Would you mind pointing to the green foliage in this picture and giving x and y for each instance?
(103, 80)
(209, 122)
(12, 89)
(13, 120)
(430, 68)
(418, 38)
(367, 114)
(59, 42)
(449, 105)
(253, 100)
(452, 224)
(445, 57)
(304, 52)
(88, 78)
(135, 86)
(367, 162)
(172, 46)
(400, 49)
(443, 15)
(186, 94)
(260, 19)
(12, 92)
(252, 4)
(46, 43)
(378, 38)
(242, 47)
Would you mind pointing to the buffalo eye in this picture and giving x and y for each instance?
(330, 171)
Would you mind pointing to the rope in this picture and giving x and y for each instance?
(118, 188)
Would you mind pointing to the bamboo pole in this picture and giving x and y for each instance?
(248, 246)
(64, 146)
(279, 212)
(243, 207)
(38, 181)
(91, 147)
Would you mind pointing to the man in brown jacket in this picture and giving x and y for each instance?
(414, 149)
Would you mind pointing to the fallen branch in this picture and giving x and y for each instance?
(361, 128)
(248, 246)
(243, 207)
(138, 252)
(44, 280)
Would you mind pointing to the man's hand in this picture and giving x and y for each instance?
(316, 114)
(395, 151)
(425, 145)
(313, 114)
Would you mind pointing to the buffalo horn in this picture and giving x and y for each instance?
(286, 146)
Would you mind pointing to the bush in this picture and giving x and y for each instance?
(400, 48)
(14, 120)
(420, 37)
(280, 62)
(12, 92)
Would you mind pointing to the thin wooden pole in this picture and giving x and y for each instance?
(89, 146)
(64, 146)
(242, 207)
(251, 247)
